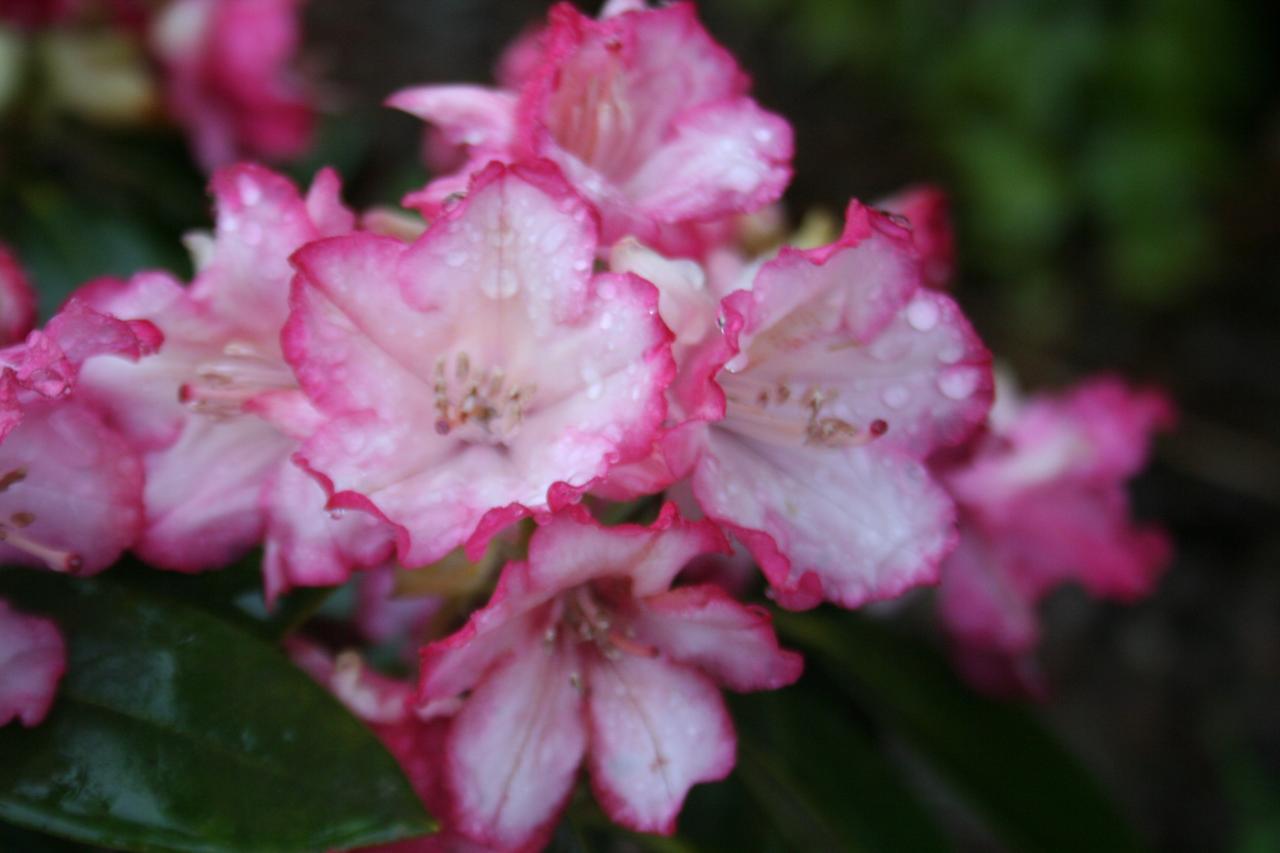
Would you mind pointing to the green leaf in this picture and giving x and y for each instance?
(998, 757)
(175, 730)
(233, 593)
(812, 767)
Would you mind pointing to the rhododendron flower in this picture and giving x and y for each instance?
(227, 77)
(70, 486)
(33, 658)
(648, 117)
(17, 300)
(1043, 503)
(586, 650)
(927, 210)
(218, 472)
(837, 374)
(482, 372)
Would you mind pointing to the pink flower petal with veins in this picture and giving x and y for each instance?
(657, 729)
(33, 658)
(217, 412)
(837, 376)
(480, 373)
(587, 644)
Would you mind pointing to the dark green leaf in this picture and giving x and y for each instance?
(174, 730)
(998, 757)
(815, 771)
(233, 593)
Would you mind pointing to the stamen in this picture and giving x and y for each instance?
(222, 385)
(772, 412)
(58, 559)
(482, 400)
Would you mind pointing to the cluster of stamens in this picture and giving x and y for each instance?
(587, 621)
(223, 385)
(12, 532)
(763, 408)
(484, 400)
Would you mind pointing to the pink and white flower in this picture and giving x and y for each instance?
(33, 658)
(837, 374)
(481, 373)
(227, 77)
(1043, 503)
(586, 651)
(217, 412)
(70, 486)
(646, 115)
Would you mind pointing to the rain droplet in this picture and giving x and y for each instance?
(922, 314)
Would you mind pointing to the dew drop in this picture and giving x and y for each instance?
(922, 314)
(958, 382)
(896, 396)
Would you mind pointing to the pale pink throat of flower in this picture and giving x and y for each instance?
(780, 413)
(483, 405)
(586, 615)
(222, 385)
(12, 532)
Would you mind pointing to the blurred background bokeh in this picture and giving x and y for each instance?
(1114, 169)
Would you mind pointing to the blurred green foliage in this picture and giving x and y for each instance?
(1054, 119)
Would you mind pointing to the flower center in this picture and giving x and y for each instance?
(780, 413)
(222, 385)
(478, 405)
(591, 622)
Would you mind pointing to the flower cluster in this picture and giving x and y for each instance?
(582, 323)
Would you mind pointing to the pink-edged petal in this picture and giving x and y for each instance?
(142, 398)
(727, 157)
(513, 751)
(839, 344)
(325, 208)
(850, 526)
(523, 239)
(70, 490)
(466, 116)
(369, 695)
(262, 219)
(33, 658)
(17, 300)
(306, 544)
(82, 332)
(927, 209)
(572, 549)
(532, 376)
(204, 493)
(657, 729)
(704, 626)
(456, 664)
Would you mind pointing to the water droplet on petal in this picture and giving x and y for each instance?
(922, 314)
(896, 396)
(958, 383)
